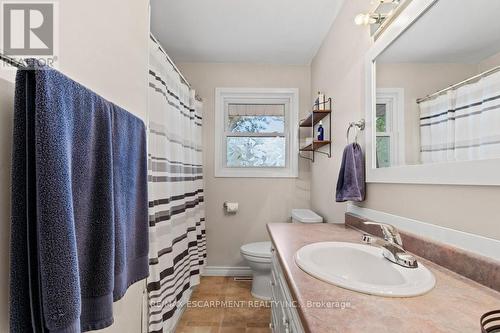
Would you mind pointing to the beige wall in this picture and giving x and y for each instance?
(338, 69)
(103, 45)
(261, 200)
(491, 62)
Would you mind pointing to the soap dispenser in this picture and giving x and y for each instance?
(321, 131)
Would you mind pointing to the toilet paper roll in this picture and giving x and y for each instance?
(231, 207)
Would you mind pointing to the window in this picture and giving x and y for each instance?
(384, 133)
(256, 132)
(389, 127)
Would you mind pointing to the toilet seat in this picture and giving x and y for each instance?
(261, 250)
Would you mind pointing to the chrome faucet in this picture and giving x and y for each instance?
(392, 245)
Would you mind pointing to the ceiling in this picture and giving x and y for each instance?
(450, 32)
(242, 31)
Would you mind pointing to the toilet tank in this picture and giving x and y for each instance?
(305, 216)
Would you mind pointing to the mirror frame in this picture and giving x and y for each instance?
(478, 172)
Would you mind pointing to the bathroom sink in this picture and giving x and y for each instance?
(363, 268)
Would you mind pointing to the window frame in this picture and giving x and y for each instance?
(389, 129)
(288, 96)
(393, 99)
(264, 101)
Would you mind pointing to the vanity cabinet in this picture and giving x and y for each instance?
(284, 318)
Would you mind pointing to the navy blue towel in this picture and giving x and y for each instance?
(351, 181)
(20, 310)
(79, 205)
(130, 168)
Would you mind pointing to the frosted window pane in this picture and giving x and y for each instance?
(383, 152)
(255, 152)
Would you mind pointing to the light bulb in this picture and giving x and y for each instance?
(364, 19)
(359, 19)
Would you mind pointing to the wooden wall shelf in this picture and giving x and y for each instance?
(317, 115)
(315, 145)
(310, 121)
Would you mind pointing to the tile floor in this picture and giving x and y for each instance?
(223, 305)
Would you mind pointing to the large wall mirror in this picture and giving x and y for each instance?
(433, 106)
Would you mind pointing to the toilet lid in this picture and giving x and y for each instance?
(259, 249)
(306, 216)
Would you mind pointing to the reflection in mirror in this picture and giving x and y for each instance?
(438, 87)
(383, 136)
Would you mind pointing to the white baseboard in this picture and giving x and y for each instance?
(473, 243)
(227, 271)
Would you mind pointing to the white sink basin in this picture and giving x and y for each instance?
(362, 268)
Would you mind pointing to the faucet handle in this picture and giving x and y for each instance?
(368, 239)
(390, 232)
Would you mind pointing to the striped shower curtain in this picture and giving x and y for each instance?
(463, 124)
(176, 212)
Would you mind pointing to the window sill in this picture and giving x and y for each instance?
(254, 173)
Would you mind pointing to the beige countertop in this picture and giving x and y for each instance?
(454, 305)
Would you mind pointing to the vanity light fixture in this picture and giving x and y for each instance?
(374, 17)
(369, 18)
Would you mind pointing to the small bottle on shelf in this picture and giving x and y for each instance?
(321, 101)
(321, 131)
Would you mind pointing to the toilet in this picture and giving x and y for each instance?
(258, 256)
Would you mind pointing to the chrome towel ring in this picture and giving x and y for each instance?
(358, 126)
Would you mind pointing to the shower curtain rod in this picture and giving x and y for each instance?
(186, 82)
(459, 84)
(170, 60)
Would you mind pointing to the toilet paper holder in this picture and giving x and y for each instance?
(230, 207)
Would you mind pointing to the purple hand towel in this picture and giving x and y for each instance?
(351, 182)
